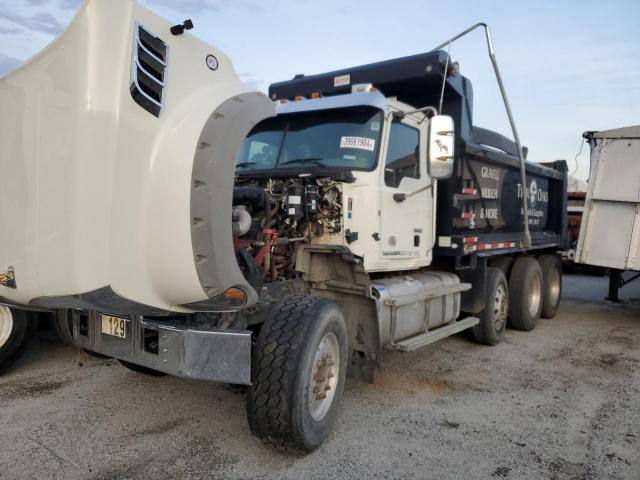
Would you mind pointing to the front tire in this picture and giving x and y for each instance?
(16, 330)
(525, 297)
(551, 284)
(493, 319)
(299, 368)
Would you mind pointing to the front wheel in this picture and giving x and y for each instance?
(16, 330)
(299, 369)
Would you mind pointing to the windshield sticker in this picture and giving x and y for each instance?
(349, 157)
(361, 143)
(375, 126)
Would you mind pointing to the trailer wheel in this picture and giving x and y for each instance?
(140, 369)
(525, 293)
(551, 284)
(299, 368)
(16, 330)
(493, 319)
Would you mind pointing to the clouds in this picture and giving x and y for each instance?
(7, 63)
(9, 30)
(35, 18)
(580, 72)
(38, 21)
(26, 26)
(66, 4)
(186, 6)
(189, 7)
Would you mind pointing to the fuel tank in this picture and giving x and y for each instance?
(117, 154)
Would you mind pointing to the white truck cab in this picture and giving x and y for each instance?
(388, 205)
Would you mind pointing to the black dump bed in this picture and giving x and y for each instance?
(480, 206)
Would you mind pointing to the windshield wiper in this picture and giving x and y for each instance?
(244, 164)
(315, 161)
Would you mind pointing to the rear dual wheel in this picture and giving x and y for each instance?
(533, 291)
(525, 296)
(552, 284)
(536, 290)
(16, 330)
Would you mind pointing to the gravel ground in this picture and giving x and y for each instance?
(560, 402)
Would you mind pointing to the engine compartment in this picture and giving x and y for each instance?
(273, 217)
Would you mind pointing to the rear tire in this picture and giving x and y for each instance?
(525, 293)
(299, 368)
(551, 284)
(16, 330)
(140, 369)
(493, 319)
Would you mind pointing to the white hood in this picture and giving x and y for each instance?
(103, 204)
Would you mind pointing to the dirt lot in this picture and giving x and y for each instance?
(560, 402)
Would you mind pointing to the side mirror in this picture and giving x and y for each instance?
(441, 144)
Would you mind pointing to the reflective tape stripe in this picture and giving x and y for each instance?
(493, 246)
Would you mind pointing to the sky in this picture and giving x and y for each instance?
(568, 66)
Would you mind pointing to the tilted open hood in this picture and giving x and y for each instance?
(117, 153)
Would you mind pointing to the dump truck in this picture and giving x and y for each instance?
(610, 226)
(196, 228)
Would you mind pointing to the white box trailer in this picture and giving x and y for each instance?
(610, 230)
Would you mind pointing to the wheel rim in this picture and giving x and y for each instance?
(554, 287)
(500, 307)
(324, 377)
(535, 297)
(6, 324)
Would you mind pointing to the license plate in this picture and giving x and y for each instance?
(114, 326)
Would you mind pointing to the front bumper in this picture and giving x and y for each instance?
(171, 347)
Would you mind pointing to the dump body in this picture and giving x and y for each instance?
(480, 206)
(610, 230)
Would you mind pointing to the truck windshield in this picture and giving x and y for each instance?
(339, 138)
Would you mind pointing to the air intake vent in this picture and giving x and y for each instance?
(148, 70)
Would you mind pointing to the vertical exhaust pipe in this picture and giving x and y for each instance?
(526, 234)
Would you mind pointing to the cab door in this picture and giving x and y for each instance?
(406, 203)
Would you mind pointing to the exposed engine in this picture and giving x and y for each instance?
(272, 218)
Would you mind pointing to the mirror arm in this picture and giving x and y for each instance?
(397, 115)
(401, 197)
